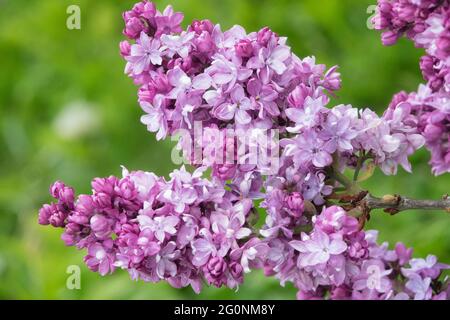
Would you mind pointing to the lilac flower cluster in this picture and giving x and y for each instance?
(190, 230)
(183, 230)
(338, 261)
(227, 80)
(427, 23)
(233, 80)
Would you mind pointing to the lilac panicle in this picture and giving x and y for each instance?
(182, 230)
(426, 23)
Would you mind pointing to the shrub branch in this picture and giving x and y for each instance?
(394, 204)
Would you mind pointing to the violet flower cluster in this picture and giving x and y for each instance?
(427, 23)
(337, 260)
(182, 231)
(233, 80)
(190, 230)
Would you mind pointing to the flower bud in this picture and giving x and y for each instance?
(295, 204)
(406, 12)
(389, 38)
(215, 270)
(264, 35)
(125, 189)
(443, 46)
(419, 27)
(133, 28)
(66, 196)
(432, 132)
(147, 93)
(104, 185)
(403, 254)
(125, 48)
(55, 189)
(58, 219)
(297, 97)
(100, 226)
(45, 213)
(244, 48)
(236, 271)
(398, 98)
(225, 171)
(200, 26)
(427, 65)
(204, 42)
(332, 80)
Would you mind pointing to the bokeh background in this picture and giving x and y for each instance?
(68, 112)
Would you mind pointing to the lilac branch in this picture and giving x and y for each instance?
(394, 204)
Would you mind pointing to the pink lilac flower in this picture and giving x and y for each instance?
(317, 249)
(307, 116)
(155, 119)
(202, 251)
(271, 59)
(144, 54)
(164, 261)
(177, 44)
(263, 97)
(251, 254)
(339, 130)
(100, 259)
(315, 187)
(428, 267)
(334, 219)
(231, 226)
(226, 73)
(308, 149)
(168, 22)
(159, 225)
(137, 223)
(373, 278)
(419, 286)
(237, 108)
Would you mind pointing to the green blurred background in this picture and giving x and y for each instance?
(68, 112)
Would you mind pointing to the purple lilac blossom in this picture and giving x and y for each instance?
(181, 230)
(426, 23)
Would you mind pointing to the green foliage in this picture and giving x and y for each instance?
(48, 69)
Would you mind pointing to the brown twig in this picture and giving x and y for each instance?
(394, 204)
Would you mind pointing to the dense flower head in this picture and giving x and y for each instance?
(425, 22)
(190, 230)
(182, 230)
(234, 80)
(338, 260)
(225, 79)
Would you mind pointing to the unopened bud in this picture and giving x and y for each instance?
(389, 198)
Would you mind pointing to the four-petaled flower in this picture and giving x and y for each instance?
(159, 225)
(317, 249)
(145, 53)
